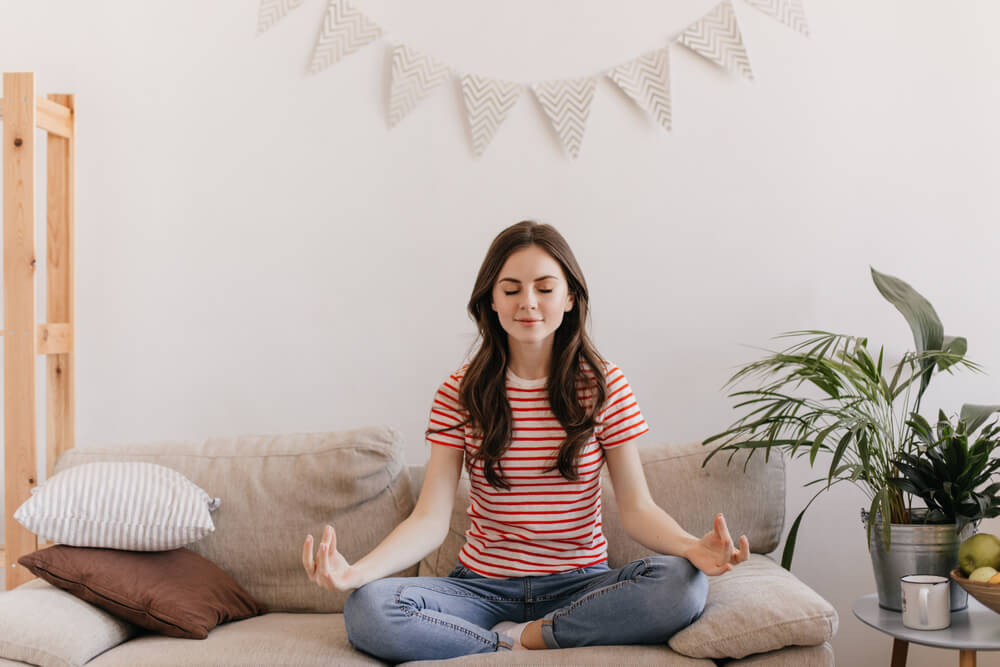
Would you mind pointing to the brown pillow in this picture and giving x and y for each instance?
(176, 593)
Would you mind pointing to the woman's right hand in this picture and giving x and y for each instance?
(329, 570)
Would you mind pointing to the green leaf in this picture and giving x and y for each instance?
(793, 533)
(819, 443)
(956, 345)
(921, 427)
(975, 415)
(883, 501)
(928, 332)
(837, 455)
(895, 378)
(871, 520)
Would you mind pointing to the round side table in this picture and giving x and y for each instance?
(975, 628)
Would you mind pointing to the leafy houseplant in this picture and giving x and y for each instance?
(946, 473)
(853, 407)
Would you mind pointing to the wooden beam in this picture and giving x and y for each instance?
(52, 117)
(60, 379)
(55, 117)
(54, 339)
(19, 313)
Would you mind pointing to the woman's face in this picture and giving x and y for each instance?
(530, 296)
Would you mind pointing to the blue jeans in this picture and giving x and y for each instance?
(427, 618)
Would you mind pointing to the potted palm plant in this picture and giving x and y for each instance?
(828, 395)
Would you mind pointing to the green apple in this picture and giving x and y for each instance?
(983, 574)
(980, 550)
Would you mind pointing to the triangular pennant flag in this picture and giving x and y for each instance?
(567, 104)
(272, 11)
(716, 36)
(487, 102)
(345, 30)
(647, 81)
(414, 75)
(788, 12)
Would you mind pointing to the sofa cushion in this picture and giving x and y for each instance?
(753, 502)
(43, 625)
(119, 505)
(756, 607)
(176, 593)
(602, 656)
(799, 656)
(289, 640)
(294, 640)
(276, 489)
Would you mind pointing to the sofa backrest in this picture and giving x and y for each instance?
(276, 489)
(753, 501)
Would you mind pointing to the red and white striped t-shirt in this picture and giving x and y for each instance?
(544, 523)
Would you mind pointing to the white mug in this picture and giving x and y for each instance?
(926, 601)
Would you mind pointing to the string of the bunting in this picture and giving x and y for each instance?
(716, 36)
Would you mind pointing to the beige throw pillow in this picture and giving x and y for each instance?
(757, 606)
(42, 625)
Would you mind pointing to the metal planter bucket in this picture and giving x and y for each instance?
(914, 549)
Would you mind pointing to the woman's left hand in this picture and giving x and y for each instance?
(714, 554)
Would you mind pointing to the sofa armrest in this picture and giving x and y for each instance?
(43, 625)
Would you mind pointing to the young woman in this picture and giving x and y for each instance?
(533, 417)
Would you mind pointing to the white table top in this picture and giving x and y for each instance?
(975, 628)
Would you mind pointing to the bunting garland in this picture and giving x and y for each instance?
(788, 12)
(414, 75)
(647, 81)
(272, 11)
(716, 36)
(345, 30)
(487, 102)
(567, 104)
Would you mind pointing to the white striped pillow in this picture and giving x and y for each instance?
(119, 505)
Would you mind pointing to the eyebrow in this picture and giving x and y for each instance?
(514, 280)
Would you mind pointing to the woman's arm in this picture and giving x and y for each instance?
(647, 523)
(418, 535)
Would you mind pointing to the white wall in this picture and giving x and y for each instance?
(257, 252)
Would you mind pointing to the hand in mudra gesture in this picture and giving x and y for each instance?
(714, 554)
(330, 570)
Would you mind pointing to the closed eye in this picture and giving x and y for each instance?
(546, 291)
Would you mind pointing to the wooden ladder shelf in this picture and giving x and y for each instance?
(23, 337)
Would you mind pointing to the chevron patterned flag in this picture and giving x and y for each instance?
(487, 102)
(345, 30)
(567, 104)
(647, 81)
(414, 75)
(788, 12)
(272, 11)
(716, 36)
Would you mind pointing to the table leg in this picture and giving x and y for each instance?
(899, 649)
(966, 658)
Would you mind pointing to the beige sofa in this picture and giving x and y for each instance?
(275, 489)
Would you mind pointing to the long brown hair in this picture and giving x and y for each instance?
(483, 393)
